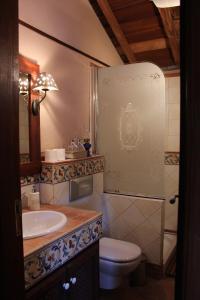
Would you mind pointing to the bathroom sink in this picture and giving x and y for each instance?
(38, 223)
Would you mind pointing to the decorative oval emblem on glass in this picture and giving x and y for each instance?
(130, 128)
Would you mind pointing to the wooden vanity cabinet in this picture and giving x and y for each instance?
(81, 273)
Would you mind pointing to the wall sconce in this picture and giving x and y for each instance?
(44, 82)
(166, 3)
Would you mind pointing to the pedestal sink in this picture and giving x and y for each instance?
(38, 223)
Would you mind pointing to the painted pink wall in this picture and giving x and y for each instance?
(72, 21)
(64, 114)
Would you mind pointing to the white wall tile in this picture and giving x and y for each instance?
(166, 89)
(145, 234)
(25, 193)
(119, 228)
(147, 208)
(46, 193)
(133, 216)
(171, 180)
(154, 250)
(171, 189)
(110, 214)
(169, 244)
(174, 111)
(174, 90)
(137, 220)
(173, 143)
(172, 108)
(156, 220)
(117, 204)
(98, 183)
(61, 193)
(174, 127)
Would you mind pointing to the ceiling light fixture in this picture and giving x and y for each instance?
(166, 3)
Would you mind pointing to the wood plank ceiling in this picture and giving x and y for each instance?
(140, 31)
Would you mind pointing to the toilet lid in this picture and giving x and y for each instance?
(117, 250)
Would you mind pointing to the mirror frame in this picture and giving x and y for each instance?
(34, 166)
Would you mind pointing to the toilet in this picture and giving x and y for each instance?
(117, 259)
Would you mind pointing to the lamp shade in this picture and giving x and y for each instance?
(166, 3)
(45, 82)
(23, 85)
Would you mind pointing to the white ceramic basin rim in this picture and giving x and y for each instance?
(38, 223)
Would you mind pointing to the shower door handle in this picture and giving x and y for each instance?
(173, 200)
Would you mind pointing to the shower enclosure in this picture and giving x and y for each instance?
(128, 116)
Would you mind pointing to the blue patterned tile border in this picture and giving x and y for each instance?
(57, 173)
(44, 261)
(46, 175)
(172, 158)
(27, 180)
(94, 166)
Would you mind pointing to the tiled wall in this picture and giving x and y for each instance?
(172, 94)
(59, 194)
(171, 189)
(137, 220)
(172, 145)
(53, 182)
(54, 186)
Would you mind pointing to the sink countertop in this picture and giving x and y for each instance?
(76, 218)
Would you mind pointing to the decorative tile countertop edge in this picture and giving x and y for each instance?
(53, 173)
(43, 261)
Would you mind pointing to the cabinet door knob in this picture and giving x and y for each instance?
(73, 280)
(66, 285)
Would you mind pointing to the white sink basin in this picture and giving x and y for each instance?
(38, 223)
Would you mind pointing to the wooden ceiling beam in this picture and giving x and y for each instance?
(161, 57)
(171, 33)
(150, 45)
(172, 73)
(111, 19)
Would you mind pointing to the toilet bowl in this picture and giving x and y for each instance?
(117, 259)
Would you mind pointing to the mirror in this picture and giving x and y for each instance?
(24, 92)
(29, 124)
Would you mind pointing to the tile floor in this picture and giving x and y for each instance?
(153, 290)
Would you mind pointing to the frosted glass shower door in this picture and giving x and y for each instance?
(130, 119)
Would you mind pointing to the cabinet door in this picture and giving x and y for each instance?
(57, 292)
(51, 288)
(83, 275)
(78, 279)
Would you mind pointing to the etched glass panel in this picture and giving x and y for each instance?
(130, 128)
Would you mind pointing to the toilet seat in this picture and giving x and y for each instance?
(118, 251)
